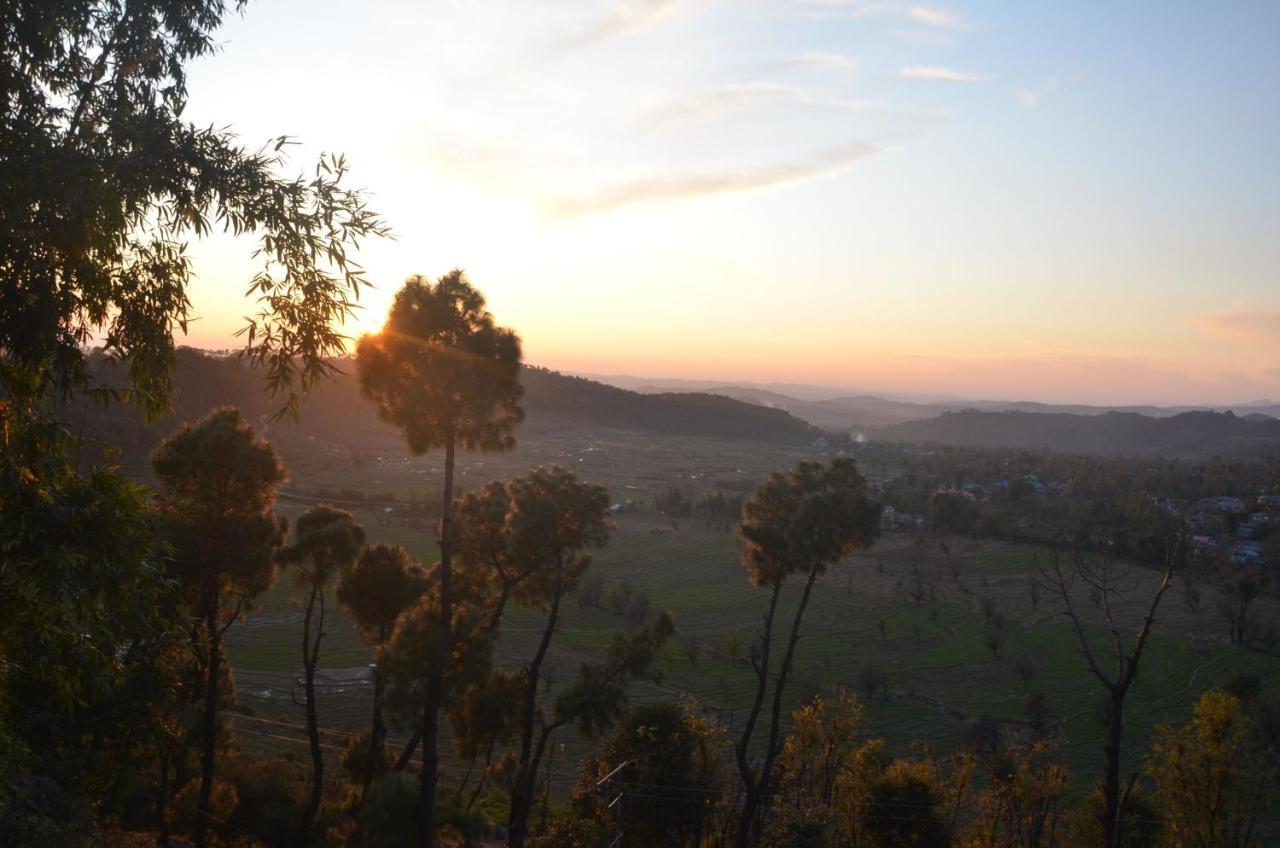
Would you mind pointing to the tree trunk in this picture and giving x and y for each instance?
(376, 733)
(518, 830)
(209, 724)
(162, 813)
(522, 792)
(771, 752)
(435, 684)
(1111, 798)
(310, 659)
(484, 776)
(751, 786)
(409, 748)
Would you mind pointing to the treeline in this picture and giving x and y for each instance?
(1206, 782)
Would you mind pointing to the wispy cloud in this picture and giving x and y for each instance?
(827, 61)
(937, 72)
(729, 98)
(1031, 97)
(620, 19)
(1257, 327)
(934, 18)
(658, 189)
(855, 8)
(752, 97)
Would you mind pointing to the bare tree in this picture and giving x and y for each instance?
(1026, 668)
(1110, 582)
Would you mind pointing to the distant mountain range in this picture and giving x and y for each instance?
(858, 413)
(334, 410)
(1191, 435)
(558, 404)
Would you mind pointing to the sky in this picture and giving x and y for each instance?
(1074, 202)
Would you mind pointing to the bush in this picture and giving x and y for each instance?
(271, 794)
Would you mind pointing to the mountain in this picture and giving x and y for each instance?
(334, 411)
(1188, 435)
(862, 413)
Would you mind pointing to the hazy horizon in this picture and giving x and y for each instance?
(1057, 203)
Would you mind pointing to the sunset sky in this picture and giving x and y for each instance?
(1048, 201)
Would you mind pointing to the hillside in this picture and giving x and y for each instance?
(1186, 435)
(335, 412)
(855, 413)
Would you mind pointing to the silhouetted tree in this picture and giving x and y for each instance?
(1109, 581)
(413, 660)
(217, 485)
(90, 641)
(797, 523)
(534, 547)
(443, 373)
(325, 540)
(106, 183)
(481, 720)
(376, 589)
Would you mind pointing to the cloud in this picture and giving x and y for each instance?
(743, 97)
(934, 18)
(655, 189)
(935, 72)
(1260, 327)
(1031, 97)
(727, 98)
(620, 19)
(826, 61)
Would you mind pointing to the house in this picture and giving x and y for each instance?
(1247, 554)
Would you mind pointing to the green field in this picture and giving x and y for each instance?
(939, 675)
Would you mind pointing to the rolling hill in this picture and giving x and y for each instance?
(1185, 435)
(335, 412)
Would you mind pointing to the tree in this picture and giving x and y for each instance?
(953, 513)
(594, 702)
(1110, 582)
(668, 745)
(1213, 779)
(1241, 586)
(529, 537)
(89, 635)
(105, 183)
(482, 720)
(837, 785)
(797, 523)
(217, 486)
(443, 373)
(416, 667)
(325, 540)
(1026, 668)
(376, 589)
(1020, 807)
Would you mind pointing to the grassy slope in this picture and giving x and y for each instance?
(935, 662)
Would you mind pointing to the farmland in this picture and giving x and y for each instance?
(907, 621)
